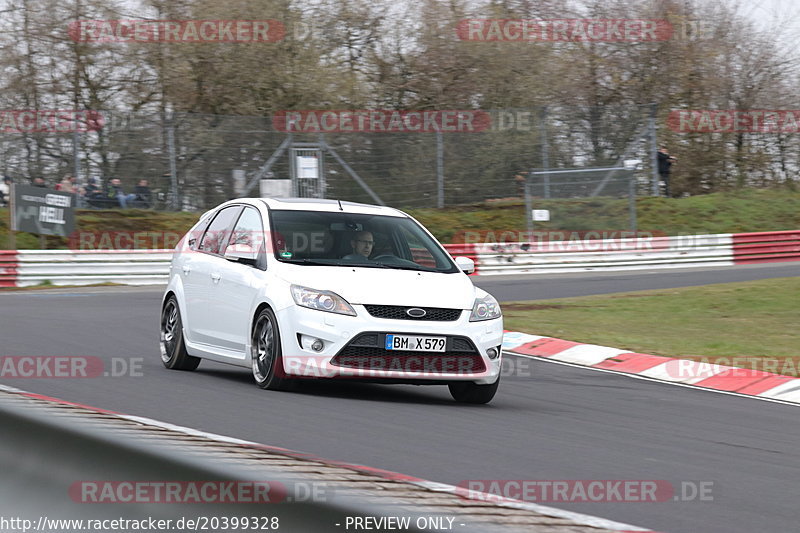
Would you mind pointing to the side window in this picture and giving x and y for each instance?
(249, 230)
(217, 233)
(194, 235)
(420, 254)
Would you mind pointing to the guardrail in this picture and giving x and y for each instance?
(43, 459)
(766, 247)
(609, 254)
(24, 268)
(150, 267)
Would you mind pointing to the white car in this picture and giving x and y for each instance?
(300, 288)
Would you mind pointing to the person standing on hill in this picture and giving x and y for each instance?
(665, 162)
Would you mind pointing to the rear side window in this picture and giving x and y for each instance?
(249, 230)
(216, 236)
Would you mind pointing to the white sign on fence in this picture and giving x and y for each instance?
(307, 167)
(540, 215)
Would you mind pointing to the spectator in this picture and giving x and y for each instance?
(94, 194)
(519, 179)
(665, 162)
(144, 197)
(115, 190)
(92, 190)
(67, 185)
(39, 182)
(5, 191)
(80, 194)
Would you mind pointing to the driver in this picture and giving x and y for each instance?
(362, 244)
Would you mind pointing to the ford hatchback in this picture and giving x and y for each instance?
(301, 289)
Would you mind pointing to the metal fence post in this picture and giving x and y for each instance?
(173, 169)
(545, 150)
(528, 205)
(439, 170)
(76, 154)
(654, 148)
(632, 200)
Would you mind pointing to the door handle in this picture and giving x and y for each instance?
(215, 277)
(186, 270)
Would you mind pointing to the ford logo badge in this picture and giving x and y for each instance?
(416, 312)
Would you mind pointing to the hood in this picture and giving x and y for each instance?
(383, 286)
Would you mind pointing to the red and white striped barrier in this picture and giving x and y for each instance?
(144, 267)
(766, 247)
(8, 268)
(720, 377)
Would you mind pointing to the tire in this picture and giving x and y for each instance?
(470, 392)
(266, 353)
(173, 347)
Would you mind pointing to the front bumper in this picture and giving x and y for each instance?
(353, 347)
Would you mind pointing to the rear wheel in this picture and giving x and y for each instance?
(173, 348)
(470, 392)
(266, 353)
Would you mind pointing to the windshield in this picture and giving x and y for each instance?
(348, 239)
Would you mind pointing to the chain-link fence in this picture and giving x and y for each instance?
(191, 161)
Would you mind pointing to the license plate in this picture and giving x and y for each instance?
(415, 343)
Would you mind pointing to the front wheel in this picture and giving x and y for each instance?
(470, 392)
(266, 353)
(173, 347)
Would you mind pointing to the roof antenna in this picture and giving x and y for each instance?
(340, 205)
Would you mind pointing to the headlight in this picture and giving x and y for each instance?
(321, 300)
(485, 308)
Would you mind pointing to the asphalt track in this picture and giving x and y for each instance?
(548, 422)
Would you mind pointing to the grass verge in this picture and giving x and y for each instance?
(747, 319)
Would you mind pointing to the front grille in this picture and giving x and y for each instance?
(398, 312)
(366, 352)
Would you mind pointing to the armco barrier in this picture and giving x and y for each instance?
(8, 268)
(148, 267)
(69, 267)
(611, 254)
(766, 247)
(42, 458)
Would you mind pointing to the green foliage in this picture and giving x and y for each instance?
(691, 322)
(742, 211)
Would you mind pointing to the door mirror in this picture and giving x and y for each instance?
(242, 253)
(466, 264)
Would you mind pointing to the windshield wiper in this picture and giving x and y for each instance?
(313, 262)
(416, 268)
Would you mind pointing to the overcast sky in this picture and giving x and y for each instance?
(774, 13)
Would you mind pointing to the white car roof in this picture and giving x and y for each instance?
(316, 204)
(312, 204)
